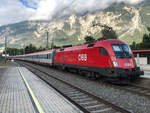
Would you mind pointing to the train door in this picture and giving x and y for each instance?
(104, 59)
(53, 56)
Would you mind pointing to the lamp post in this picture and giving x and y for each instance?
(5, 49)
(6, 32)
(47, 33)
(24, 52)
(52, 44)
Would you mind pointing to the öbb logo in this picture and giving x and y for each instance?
(82, 57)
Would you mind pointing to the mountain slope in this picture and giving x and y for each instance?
(129, 22)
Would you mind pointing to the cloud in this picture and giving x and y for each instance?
(49, 9)
(12, 11)
(130, 1)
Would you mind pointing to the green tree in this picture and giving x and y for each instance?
(30, 49)
(12, 51)
(40, 49)
(148, 28)
(89, 39)
(133, 45)
(146, 40)
(109, 33)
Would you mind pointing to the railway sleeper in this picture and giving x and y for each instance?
(66, 91)
(133, 88)
(144, 91)
(83, 100)
(99, 108)
(74, 95)
(94, 106)
(80, 97)
(89, 103)
(102, 110)
(74, 92)
(148, 93)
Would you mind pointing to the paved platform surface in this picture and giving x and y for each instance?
(23, 92)
(146, 69)
(146, 74)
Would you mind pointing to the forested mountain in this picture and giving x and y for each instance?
(128, 21)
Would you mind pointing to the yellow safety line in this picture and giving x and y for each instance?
(32, 94)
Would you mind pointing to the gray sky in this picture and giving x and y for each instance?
(13, 11)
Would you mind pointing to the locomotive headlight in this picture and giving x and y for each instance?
(115, 63)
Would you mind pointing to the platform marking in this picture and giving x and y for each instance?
(37, 105)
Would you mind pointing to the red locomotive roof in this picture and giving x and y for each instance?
(100, 43)
(105, 42)
(96, 44)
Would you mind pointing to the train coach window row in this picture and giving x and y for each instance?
(42, 56)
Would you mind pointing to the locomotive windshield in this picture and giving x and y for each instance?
(122, 51)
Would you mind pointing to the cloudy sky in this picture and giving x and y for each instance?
(13, 11)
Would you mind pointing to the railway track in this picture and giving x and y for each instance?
(132, 88)
(84, 100)
(142, 91)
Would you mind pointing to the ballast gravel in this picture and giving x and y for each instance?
(124, 99)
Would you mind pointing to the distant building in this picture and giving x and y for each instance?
(2, 49)
(3, 55)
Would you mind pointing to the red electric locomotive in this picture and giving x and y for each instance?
(108, 58)
(111, 59)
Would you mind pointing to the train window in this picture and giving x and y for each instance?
(45, 56)
(102, 51)
(122, 51)
(50, 56)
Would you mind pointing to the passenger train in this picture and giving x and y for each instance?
(112, 59)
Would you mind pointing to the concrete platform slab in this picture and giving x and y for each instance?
(146, 74)
(15, 96)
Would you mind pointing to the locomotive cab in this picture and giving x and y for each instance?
(123, 56)
(119, 61)
(124, 62)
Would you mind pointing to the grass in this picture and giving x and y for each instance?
(2, 63)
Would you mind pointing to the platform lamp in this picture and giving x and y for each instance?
(6, 33)
(47, 33)
(52, 45)
(24, 52)
(5, 49)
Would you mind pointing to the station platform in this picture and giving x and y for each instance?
(146, 69)
(23, 92)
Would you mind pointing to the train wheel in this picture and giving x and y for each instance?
(90, 75)
(81, 72)
(97, 75)
(63, 67)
